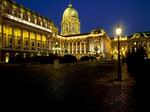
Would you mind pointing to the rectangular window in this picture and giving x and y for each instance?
(10, 40)
(32, 19)
(33, 44)
(19, 42)
(39, 21)
(17, 13)
(25, 16)
(38, 44)
(26, 43)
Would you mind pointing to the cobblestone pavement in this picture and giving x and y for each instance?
(83, 87)
(118, 96)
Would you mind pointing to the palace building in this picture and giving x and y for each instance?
(27, 33)
(71, 41)
(23, 31)
(128, 43)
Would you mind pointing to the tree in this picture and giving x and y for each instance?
(135, 57)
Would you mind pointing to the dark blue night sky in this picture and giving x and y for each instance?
(133, 15)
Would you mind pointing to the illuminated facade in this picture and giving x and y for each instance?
(23, 32)
(96, 42)
(26, 33)
(140, 39)
(124, 46)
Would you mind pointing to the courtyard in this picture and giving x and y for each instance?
(88, 86)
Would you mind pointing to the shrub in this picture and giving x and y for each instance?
(85, 58)
(134, 58)
(69, 59)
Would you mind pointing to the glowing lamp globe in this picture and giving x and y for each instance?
(118, 30)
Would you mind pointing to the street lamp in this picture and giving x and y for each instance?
(118, 33)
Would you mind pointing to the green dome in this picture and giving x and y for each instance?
(70, 12)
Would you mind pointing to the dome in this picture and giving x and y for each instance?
(70, 12)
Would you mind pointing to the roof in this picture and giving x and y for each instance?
(21, 6)
(77, 35)
(143, 34)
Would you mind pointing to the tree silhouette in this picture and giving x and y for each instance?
(135, 58)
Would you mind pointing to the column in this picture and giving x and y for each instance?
(90, 46)
(69, 48)
(1, 38)
(41, 46)
(46, 46)
(22, 41)
(21, 15)
(84, 47)
(49, 45)
(102, 46)
(1, 42)
(13, 38)
(80, 47)
(6, 36)
(76, 47)
(62, 47)
(35, 42)
(29, 39)
(73, 48)
(52, 45)
(49, 42)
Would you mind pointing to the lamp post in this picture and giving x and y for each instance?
(118, 33)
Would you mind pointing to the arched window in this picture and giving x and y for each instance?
(16, 54)
(7, 58)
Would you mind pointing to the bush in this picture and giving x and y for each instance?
(135, 58)
(138, 67)
(69, 59)
(85, 58)
(45, 59)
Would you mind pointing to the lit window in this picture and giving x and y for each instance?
(135, 49)
(134, 43)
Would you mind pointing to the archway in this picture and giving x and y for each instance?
(7, 58)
